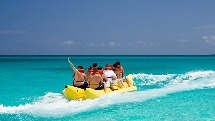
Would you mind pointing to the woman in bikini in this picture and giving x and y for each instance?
(79, 76)
(120, 69)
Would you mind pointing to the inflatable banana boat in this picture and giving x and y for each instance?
(74, 93)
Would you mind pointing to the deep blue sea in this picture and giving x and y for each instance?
(169, 88)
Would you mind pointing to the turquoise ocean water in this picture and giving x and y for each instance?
(170, 88)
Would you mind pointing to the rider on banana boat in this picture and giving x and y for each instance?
(79, 76)
(111, 77)
(89, 71)
(120, 70)
(118, 73)
(95, 80)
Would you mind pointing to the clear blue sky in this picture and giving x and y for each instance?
(107, 27)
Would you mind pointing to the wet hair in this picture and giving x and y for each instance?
(108, 65)
(99, 68)
(95, 64)
(118, 63)
(115, 65)
(89, 68)
(81, 67)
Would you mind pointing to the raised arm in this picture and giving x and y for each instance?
(72, 66)
(74, 69)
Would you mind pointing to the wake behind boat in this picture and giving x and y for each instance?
(75, 93)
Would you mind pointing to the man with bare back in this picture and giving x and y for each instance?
(95, 80)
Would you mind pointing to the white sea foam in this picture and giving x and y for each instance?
(51, 104)
(55, 105)
(150, 79)
(190, 77)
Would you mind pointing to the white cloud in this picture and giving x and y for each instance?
(112, 43)
(213, 37)
(184, 40)
(103, 44)
(68, 42)
(206, 27)
(209, 39)
(205, 37)
(12, 32)
(91, 44)
(139, 42)
(142, 43)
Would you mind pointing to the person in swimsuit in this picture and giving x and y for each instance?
(120, 69)
(95, 80)
(89, 72)
(119, 74)
(79, 76)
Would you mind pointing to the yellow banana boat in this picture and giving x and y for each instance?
(74, 93)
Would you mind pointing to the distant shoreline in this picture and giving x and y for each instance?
(103, 55)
